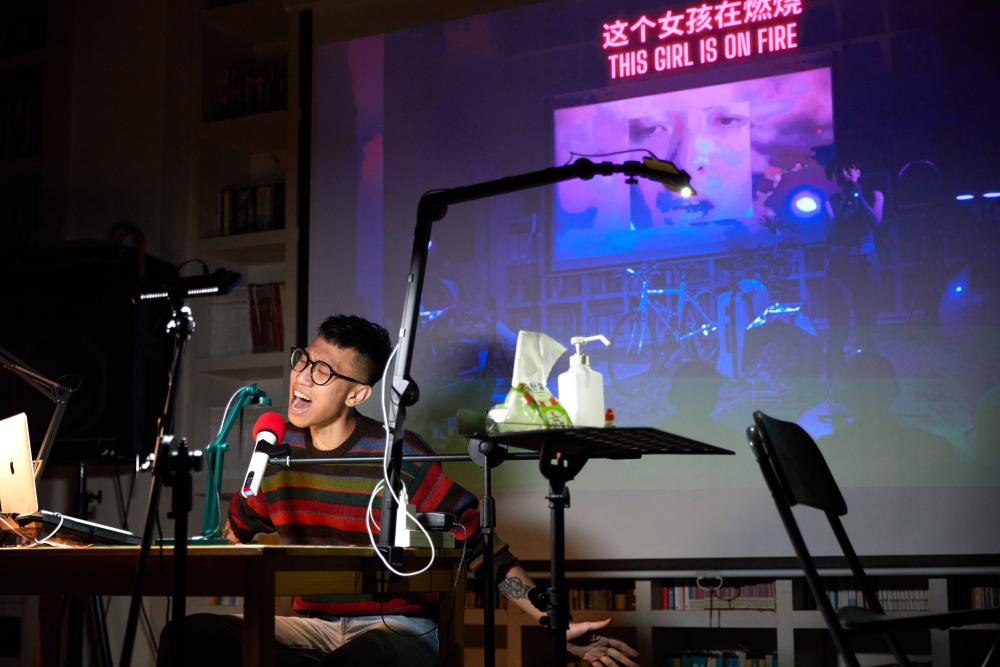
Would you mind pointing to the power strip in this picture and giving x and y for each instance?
(408, 534)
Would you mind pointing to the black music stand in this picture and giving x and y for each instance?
(562, 453)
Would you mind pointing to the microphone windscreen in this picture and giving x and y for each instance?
(270, 421)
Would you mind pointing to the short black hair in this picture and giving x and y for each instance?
(368, 339)
(834, 170)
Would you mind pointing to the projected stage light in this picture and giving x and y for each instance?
(805, 203)
(965, 197)
(991, 195)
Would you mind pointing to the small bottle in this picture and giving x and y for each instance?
(609, 418)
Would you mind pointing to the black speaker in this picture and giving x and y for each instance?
(70, 313)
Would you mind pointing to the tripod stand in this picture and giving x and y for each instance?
(173, 463)
(562, 454)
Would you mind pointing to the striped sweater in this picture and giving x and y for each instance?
(316, 504)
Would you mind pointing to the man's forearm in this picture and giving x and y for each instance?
(515, 587)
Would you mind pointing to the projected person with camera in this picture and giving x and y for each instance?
(326, 505)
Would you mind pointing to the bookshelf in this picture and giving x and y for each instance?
(34, 69)
(241, 215)
(762, 615)
(590, 301)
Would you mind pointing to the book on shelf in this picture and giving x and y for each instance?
(601, 324)
(231, 332)
(752, 596)
(564, 323)
(844, 593)
(719, 659)
(251, 87)
(602, 599)
(248, 320)
(266, 317)
(985, 597)
(258, 208)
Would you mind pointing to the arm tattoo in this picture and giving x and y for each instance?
(514, 588)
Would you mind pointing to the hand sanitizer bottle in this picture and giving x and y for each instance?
(581, 388)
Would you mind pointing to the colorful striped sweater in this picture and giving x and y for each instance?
(316, 504)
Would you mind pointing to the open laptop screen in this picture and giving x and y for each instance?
(17, 479)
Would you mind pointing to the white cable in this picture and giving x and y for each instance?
(370, 515)
(461, 561)
(388, 487)
(45, 540)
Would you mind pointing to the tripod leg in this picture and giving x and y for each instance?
(74, 631)
(100, 631)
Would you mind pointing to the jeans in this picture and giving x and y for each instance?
(217, 639)
(852, 284)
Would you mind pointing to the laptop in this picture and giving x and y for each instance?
(19, 512)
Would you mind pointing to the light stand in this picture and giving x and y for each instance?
(173, 469)
(432, 207)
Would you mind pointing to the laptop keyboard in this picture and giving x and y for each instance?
(74, 531)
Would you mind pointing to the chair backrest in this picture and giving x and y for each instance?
(797, 474)
(798, 465)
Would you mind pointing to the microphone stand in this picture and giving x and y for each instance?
(215, 454)
(485, 454)
(431, 208)
(172, 468)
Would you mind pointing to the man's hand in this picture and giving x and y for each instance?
(597, 649)
(590, 647)
(227, 532)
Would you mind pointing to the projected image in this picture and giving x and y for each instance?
(713, 143)
(751, 148)
(717, 306)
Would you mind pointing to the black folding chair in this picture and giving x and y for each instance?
(797, 474)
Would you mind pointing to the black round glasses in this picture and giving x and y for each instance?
(320, 371)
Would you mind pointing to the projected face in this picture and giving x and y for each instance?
(712, 143)
(749, 146)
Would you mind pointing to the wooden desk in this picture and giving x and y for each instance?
(258, 573)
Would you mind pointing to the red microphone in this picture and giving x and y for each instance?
(267, 434)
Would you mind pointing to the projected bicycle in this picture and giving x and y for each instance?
(659, 331)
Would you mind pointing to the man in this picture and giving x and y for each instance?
(852, 270)
(327, 505)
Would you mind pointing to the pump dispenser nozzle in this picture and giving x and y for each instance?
(579, 342)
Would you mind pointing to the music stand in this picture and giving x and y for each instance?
(562, 453)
